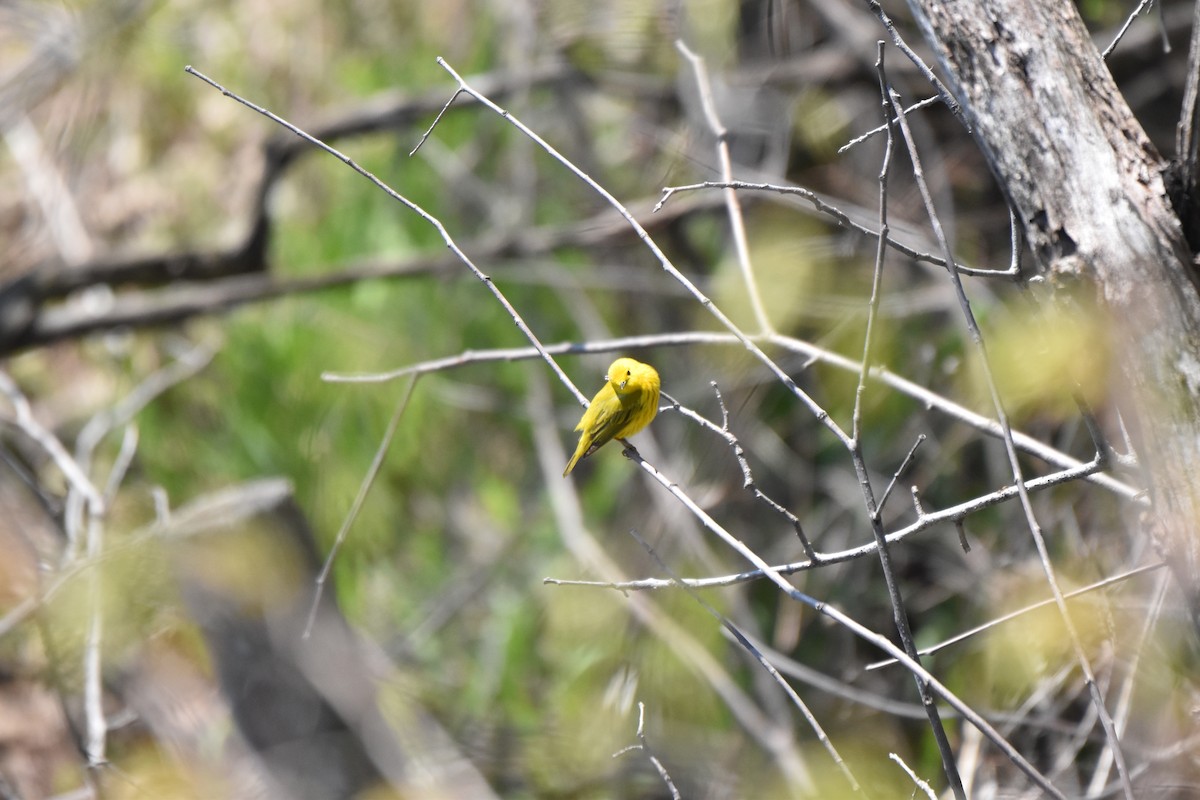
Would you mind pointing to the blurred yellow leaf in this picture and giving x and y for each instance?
(1042, 359)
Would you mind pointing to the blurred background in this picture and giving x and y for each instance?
(180, 272)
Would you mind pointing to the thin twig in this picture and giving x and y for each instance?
(1016, 239)
(1125, 697)
(917, 106)
(922, 785)
(356, 506)
(903, 47)
(876, 284)
(739, 454)
(733, 206)
(95, 724)
(1121, 33)
(116, 475)
(1187, 129)
(834, 213)
(93, 679)
(436, 120)
(900, 470)
(24, 421)
(1020, 612)
(644, 746)
(895, 595)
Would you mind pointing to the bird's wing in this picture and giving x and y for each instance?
(607, 424)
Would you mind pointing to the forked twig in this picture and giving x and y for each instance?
(644, 746)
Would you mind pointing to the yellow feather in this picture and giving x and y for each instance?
(626, 403)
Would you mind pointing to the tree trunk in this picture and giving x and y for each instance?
(1092, 192)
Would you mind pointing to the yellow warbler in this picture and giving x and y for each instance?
(626, 404)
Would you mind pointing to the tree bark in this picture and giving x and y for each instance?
(1092, 193)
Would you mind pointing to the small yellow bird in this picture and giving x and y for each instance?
(626, 404)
